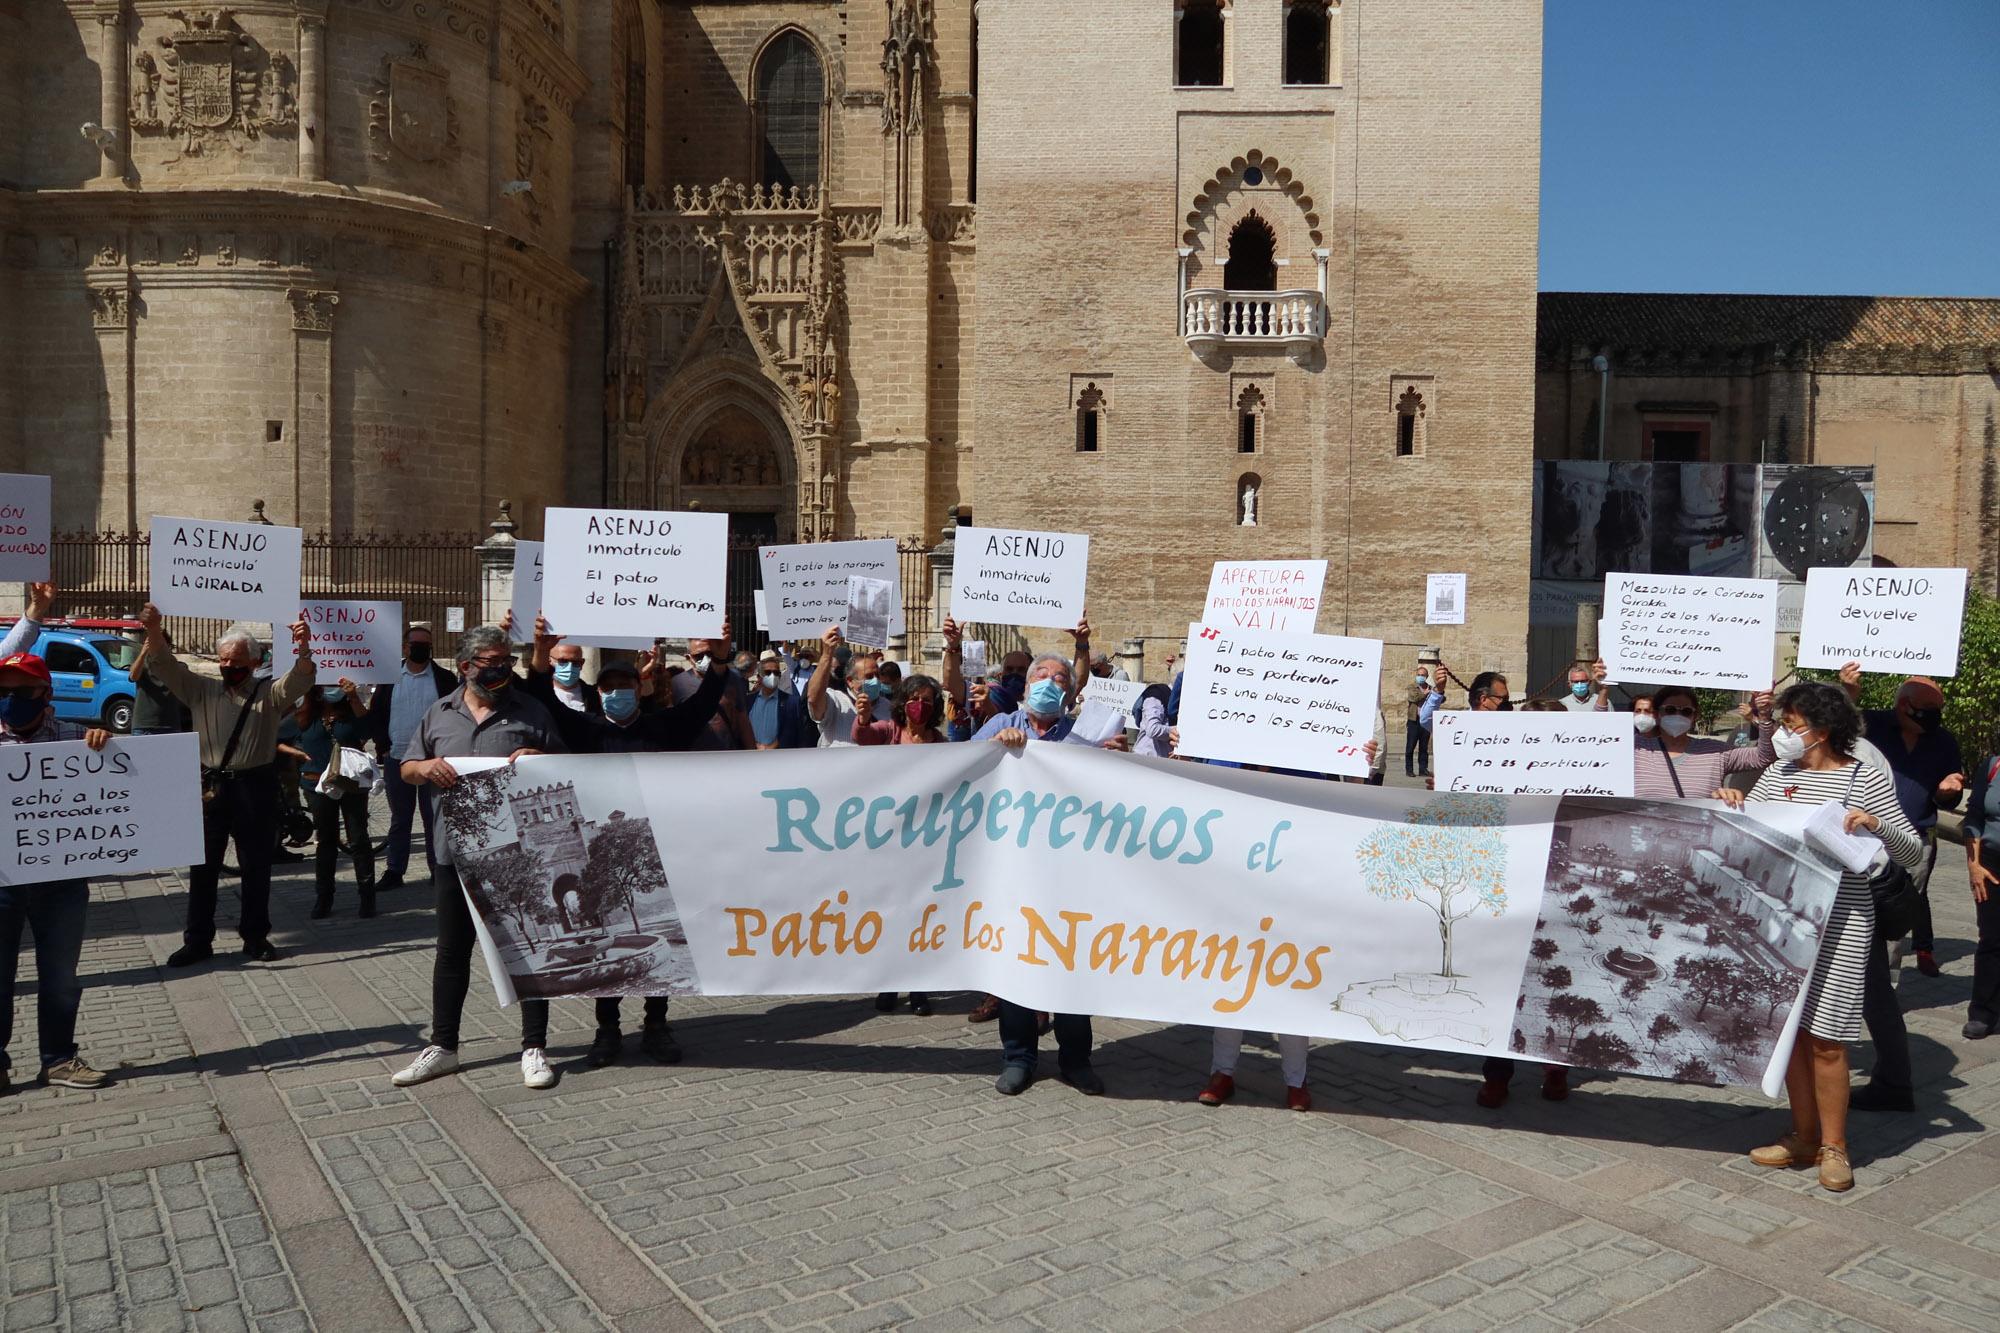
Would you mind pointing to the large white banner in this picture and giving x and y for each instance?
(1687, 630)
(357, 641)
(71, 812)
(1067, 878)
(1299, 701)
(231, 571)
(1004, 577)
(805, 586)
(27, 514)
(617, 571)
(1905, 621)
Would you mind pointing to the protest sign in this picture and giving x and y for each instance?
(232, 571)
(1444, 599)
(1689, 630)
(1119, 694)
(1001, 576)
(761, 609)
(1533, 754)
(454, 620)
(866, 616)
(1300, 701)
(614, 571)
(1078, 881)
(1280, 595)
(806, 586)
(75, 813)
(357, 641)
(26, 516)
(527, 604)
(1904, 621)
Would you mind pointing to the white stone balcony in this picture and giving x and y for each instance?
(1214, 320)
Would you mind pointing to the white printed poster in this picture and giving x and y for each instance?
(614, 571)
(74, 813)
(972, 659)
(527, 604)
(805, 586)
(1903, 621)
(1687, 630)
(225, 571)
(1532, 754)
(1444, 599)
(357, 641)
(1281, 595)
(866, 615)
(27, 515)
(1297, 701)
(1006, 577)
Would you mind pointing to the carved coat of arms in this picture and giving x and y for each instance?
(206, 83)
(413, 110)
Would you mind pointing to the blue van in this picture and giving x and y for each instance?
(89, 662)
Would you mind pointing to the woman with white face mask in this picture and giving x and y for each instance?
(1670, 763)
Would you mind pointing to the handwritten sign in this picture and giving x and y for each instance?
(1281, 595)
(1533, 754)
(357, 641)
(867, 612)
(805, 586)
(235, 571)
(1689, 630)
(1444, 599)
(1905, 621)
(26, 515)
(1118, 694)
(1301, 701)
(73, 813)
(613, 571)
(1007, 577)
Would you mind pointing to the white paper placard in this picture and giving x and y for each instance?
(454, 620)
(1533, 754)
(1277, 595)
(27, 514)
(1096, 722)
(1688, 630)
(972, 659)
(233, 571)
(806, 585)
(1905, 621)
(1444, 599)
(69, 813)
(357, 641)
(1119, 694)
(614, 571)
(527, 604)
(1299, 701)
(1003, 576)
(762, 610)
(865, 618)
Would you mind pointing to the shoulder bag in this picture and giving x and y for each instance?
(213, 778)
(1892, 887)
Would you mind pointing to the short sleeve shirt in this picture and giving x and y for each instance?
(836, 729)
(449, 731)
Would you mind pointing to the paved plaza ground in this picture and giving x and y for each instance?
(815, 1165)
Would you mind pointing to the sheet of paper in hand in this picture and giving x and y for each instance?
(866, 616)
(527, 604)
(1298, 701)
(1006, 577)
(1278, 595)
(1533, 754)
(1444, 599)
(1096, 722)
(1118, 694)
(1905, 621)
(227, 571)
(26, 517)
(972, 658)
(805, 586)
(72, 813)
(1689, 630)
(357, 641)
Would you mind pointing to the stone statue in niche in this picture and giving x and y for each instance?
(145, 92)
(1248, 519)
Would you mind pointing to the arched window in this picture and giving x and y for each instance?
(1090, 420)
(1250, 420)
(1253, 250)
(791, 93)
(1199, 55)
(1409, 424)
(1308, 42)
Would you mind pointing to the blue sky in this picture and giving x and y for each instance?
(1793, 146)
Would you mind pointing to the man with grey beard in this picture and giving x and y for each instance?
(486, 718)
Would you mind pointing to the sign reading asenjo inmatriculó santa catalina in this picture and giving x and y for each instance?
(1006, 577)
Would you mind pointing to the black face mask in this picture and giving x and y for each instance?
(1930, 719)
(232, 676)
(418, 653)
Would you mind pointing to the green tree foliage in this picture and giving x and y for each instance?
(1971, 698)
(1448, 855)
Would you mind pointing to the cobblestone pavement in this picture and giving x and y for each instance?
(815, 1165)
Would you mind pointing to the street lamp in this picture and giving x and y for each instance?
(1602, 365)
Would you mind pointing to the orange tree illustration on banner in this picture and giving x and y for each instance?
(1447, 855)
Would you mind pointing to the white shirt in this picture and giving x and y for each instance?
(416, 691)
(571, 696)
(837, 727)
(1587, 704)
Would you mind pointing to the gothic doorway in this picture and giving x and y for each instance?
(734, 465)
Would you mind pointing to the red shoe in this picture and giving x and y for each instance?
(1927, 963)
(1491, 1095)
(1044, 1024)
(1221, 1087)
(1298, 1099)
(1555, 1084)
(985, 1011)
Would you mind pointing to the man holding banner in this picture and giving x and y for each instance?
(236, 718)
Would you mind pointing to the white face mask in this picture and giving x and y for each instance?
(1676, 726)
(1643, 723)
(1791, 746)
(770, 679)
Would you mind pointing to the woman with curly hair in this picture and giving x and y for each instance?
(915, 718)
(1815, 740)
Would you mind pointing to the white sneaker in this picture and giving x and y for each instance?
(535, 1071)
(431, 1062)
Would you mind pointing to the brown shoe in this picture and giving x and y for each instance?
(1835, 1173)
(1221, 1087)
(1555, 1084)
(1492, 1094)
(1298, 1099)
(985, 1011)
(1790, 1151)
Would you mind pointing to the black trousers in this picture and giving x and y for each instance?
(1019, 1040)
(1883, 1014)
(1416, 749)
(607, 1011)
(328, 815)
(451, 971)
(244, 808)
(1985, 1007)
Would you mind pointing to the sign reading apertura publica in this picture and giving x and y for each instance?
(1069, 879)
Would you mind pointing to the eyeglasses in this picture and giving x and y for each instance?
(508, 660)
(1677, 712)
(21, 691)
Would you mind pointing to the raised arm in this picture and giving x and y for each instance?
(168, 669)
(21, 638)
(300, 678)
(953, 671)
(1079, 671)
(1755, 758)
(822, 676)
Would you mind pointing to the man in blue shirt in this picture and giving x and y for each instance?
(777, 717)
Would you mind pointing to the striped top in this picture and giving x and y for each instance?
(1871, 791)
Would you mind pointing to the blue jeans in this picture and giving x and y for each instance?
(55, 912)
(1018, 1038)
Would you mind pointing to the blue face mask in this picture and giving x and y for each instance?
(621, 705)
(1424, 681)
(1045, 698)
(1580, 688)
(873, 689)
(333, 694)
(20, 712)
(567, 672)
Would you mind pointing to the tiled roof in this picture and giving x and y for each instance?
(1693, 320)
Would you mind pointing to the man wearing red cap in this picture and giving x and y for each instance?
(54, 909)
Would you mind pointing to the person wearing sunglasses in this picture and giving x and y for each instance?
(1671, 763)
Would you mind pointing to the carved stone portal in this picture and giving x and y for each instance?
(413, 110)
(208, 84)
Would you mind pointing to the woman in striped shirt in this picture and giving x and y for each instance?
(1816, 764)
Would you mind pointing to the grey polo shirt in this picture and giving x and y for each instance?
(448, 731)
